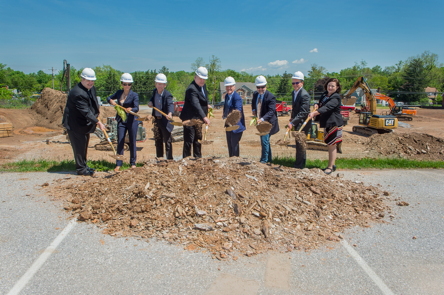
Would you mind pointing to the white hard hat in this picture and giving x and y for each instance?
(298, 75)
(260, 81)
(202, 73)
(229, 81)
(127, 78)
(160, 78)
(88, 74)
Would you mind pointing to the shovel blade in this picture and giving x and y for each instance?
(117, 157)
(231, 128)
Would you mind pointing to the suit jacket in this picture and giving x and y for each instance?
(131, 101)
(300, 109)
(166, 107)
(81, 110)
(268, 110)
(330, 111)
(235, 104)
(196, 104)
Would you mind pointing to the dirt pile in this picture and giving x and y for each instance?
(50, 106)
(227, 206)
(418, 146)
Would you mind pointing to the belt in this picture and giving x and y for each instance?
(158, 117)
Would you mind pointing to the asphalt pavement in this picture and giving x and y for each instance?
(44, 251)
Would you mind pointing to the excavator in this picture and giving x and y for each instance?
(369, 122)
(399, 112)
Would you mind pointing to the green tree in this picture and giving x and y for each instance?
(284, 89)
(164, 70)
(415, 81)
(214, 76)
(315, 74)
(198, 63)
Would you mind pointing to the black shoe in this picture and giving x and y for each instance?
(329, 170)
(91, 169)
(86, 173)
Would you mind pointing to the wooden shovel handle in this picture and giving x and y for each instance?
(109, 140)
(306, 121)
(166, 116)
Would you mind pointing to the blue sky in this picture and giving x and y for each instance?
(259, 37)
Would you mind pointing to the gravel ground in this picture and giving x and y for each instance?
(402, 256)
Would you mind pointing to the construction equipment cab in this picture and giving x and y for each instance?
(369, 122)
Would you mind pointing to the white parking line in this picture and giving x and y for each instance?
(382, 286)
(41, 260)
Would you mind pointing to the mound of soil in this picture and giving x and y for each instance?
(418, 146)
(228, 206)
(50, 106)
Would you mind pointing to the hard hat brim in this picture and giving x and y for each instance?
(202, 77)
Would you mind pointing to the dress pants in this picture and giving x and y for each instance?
(233, 140)
(191, 136)
(163, 138)
(131, 128)
(79, 144)
(266, 156)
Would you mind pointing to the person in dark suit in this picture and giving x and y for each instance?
(80, 118)
(163, 100)
(233, 101)
(329, 111)
(195, 107)
(264, 108)
(299, 112)
(130, 101)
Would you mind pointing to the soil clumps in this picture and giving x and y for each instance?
(227, 206)
(417, 146)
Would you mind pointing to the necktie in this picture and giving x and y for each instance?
(203, 92)
(259, 105)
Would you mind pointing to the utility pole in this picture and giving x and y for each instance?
(52, 77)
(52, 70)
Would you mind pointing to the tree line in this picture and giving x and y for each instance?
(404, 81)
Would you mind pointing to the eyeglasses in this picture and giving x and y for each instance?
(260, 87)
(295, 83)
(127, 84)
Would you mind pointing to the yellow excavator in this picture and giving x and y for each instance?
(369, 122)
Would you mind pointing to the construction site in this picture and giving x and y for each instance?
(220, 204)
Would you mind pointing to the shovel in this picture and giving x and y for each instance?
(286, 140)
(115, 156)
(133, 113)
(205, 141)
(306, 121)
(166, 116)
(231, 128)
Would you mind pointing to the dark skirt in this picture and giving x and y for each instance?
(333, 135)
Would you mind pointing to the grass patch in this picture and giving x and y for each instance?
(55, 166)
(366, 163)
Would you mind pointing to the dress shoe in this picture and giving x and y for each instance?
(86, 173)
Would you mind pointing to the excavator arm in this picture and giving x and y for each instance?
(369, 98)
